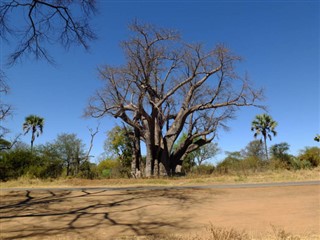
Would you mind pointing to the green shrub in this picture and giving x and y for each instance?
(312, 155)
(88, 170)
(22, 162)
(276, 164)
(252, 163)
(204, 169)
(110, 168)
(106, 173)
(298, 164)
(15, 163)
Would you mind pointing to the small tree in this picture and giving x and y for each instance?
(255, 149)
(230, 163)
(264, 124)
(35, 124)
(279, 153)
(120, 145)
(206, 152)
(253, 155)
(71, 150)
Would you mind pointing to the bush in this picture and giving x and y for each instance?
(312, 155)
(276, 163)
(204, 169)
(233, 163)
(109, 168)
(298, 164)
(15, 163)
(88, 170)
(22, 162)
(252, 163)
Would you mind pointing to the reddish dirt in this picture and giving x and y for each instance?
(100, 214)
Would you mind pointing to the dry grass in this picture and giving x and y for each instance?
(218, 233)
(260, 177)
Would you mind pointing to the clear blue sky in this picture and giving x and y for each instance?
(279, 41)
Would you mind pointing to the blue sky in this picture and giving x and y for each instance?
(278, 40)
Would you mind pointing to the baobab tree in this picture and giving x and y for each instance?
(167, 87)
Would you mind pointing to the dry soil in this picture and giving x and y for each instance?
(102, 214)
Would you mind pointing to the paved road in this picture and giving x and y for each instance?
(211, 186)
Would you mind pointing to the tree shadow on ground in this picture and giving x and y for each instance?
(94, 214)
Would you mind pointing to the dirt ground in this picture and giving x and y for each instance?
(101, 214)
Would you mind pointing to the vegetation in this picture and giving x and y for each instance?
(264, 124)
(171, 96)
(162, 96)
(119, 147)
(219, 233)
(67, 156)
(35, 124)
(166, 87)
(245, 162)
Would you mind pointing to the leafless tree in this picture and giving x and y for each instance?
(5, 112)
(5, 109)
(92, 135)
(168, 87)
(37, 23)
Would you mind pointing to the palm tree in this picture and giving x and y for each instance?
(35, 124)
(265, 125)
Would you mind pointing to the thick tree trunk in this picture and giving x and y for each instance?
(149, 140)
(164, 165)
(148, 167)
(136, 158)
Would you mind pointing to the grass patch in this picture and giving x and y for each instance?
(219, 233)
(259, 177)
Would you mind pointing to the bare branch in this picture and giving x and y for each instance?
(92, 134)
(46, 23)
(166, 87)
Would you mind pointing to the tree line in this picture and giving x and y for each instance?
(68, 156)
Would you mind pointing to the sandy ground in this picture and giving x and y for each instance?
(100, 214)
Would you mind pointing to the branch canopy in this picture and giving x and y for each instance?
(168, 86)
